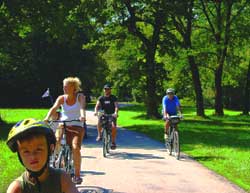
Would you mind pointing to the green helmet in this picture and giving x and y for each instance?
(27, 126)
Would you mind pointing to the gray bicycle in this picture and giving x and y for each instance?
(64, 159)
(172, 143)
(106, 122)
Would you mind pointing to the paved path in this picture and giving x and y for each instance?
(141, 165)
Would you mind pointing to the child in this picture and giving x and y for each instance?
(34, 141)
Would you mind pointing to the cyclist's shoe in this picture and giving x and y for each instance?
(77, 180)
(113, 146)
(98, 138)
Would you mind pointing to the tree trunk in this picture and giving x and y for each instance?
(151, 98)
(221, 55)
(218, 90)
(197, 86)
(193, 67)
(246, 106)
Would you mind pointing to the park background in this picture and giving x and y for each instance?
(198, 47)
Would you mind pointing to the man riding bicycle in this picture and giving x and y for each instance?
(109, 104)
(171, 106)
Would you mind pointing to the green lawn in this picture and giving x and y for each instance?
(219, 143)
(10, 167)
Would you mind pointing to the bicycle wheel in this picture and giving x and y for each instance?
(108, 145)
(167, 144)
(176, 145)
(105, 142)
(169, 141)
(61, 161)
(69, 166)
(52, 160)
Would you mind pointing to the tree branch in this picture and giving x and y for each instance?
(239, 11)
(132, 23)
(208, 18)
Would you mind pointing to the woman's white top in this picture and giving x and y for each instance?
(71, 112)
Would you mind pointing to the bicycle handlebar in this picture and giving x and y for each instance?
(64, 121)
(173, 117)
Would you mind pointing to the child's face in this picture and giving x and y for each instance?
(33, 152)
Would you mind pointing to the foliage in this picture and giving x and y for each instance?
(139, 46)
(45, 45)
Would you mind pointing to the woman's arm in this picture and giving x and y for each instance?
(82, 101)
(57, 104)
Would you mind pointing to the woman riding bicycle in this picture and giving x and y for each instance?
(73, 107)
(170, 106)
(34, 141)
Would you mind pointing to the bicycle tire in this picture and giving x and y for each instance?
(61, 160)
(105, 142)
(170, 140)
(167, 145)
(176, 145)
(69, 166)
(108, 145)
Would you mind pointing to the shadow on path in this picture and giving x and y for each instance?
(94, 173)
(125, 139)
(133, 156)
(93, 189)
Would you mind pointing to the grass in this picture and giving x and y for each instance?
(219, 143)
(10, 167)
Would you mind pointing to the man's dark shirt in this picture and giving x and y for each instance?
(108, 103)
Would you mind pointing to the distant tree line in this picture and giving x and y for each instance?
(199, 47)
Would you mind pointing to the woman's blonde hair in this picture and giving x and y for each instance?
(74, 81)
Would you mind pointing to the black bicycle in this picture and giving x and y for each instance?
(64, 159)
(172, 143)
(106, 122)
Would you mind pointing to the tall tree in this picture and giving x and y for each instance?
(246, 107)
(183, 24)
(148, 21)
(219, 15)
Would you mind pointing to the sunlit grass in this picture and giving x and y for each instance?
(219, 143)
(10, 167)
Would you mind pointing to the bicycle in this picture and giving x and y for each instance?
(64, 160)
(172, 143)
(106, 122)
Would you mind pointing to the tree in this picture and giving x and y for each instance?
(246, 108)
(219, 15)
(45, 39)
(147, 21)
(184, 27)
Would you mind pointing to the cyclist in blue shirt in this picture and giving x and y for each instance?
(170, 106)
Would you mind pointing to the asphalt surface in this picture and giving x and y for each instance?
(142, 165)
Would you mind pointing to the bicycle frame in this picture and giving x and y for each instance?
(64, 160)
(172, 144)
(106, 122)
